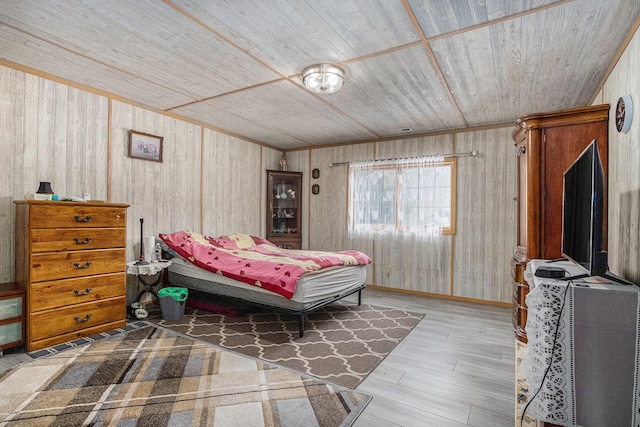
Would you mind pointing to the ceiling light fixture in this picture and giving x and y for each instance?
(323, 78)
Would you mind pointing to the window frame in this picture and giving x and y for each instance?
(450, 161)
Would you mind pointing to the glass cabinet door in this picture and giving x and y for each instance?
(284, 208)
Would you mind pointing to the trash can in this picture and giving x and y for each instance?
(172, 302)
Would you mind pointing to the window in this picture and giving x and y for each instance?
(402, 196)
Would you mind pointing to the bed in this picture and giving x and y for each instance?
(254, 270)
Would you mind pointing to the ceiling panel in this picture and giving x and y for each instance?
(32, 52)
(291, 110)
(146, 38)
(397, 90)
(234, 65)
(291, 35)
(513, 68)
(438, 17)
(220, 118)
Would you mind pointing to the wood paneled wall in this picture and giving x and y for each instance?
(50, 132)
(422, 265)
(328, 208)
(624, 167)
(472, 263)
(167, 194)
(208, 182)
(486, 224)
(213, 183)
(231, 186)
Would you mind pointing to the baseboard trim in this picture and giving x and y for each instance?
(441, 296)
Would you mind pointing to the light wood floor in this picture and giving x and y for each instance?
(456, 368)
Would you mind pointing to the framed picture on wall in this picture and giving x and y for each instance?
(145, 146)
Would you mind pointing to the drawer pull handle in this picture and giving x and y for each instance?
(82, 242)
(81, 294)
(80, 266)
(86, 219)
(86, 318)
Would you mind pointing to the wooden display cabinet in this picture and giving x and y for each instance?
(547, 144)
(284, 209)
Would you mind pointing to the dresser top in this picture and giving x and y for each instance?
(61, 203)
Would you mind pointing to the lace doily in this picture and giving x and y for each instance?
(147, 269)
(550, 308)
(554, 400)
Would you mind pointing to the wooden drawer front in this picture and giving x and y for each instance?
(74, 335)
(10, 308)
(63, 265)
(74, 318)
(79, 239)
(59, 216)
(62, 293)
(10, 334)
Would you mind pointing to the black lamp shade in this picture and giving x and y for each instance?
(44, 188)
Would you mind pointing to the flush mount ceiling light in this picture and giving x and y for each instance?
(323, 78)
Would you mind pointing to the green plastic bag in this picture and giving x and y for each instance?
(178, 294)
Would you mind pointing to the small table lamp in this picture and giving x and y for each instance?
(141, 260)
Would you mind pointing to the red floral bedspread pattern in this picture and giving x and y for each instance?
(256, 261)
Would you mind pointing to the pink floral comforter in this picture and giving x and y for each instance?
(256, 261)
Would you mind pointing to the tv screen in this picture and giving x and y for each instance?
(582, 216)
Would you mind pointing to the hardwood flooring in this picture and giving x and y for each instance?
(456, 368)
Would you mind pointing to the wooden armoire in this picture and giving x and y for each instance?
(547, 144)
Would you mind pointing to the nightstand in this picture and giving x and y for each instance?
(153, 271)
(11, 316)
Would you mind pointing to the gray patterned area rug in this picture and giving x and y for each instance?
(156, 377)
(342, 343)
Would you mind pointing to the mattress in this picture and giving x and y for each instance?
(312, 287)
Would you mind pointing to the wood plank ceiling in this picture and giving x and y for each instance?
(412, 66)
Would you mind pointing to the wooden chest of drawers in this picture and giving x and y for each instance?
(70, 260)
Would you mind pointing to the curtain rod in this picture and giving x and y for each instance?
(473, 153)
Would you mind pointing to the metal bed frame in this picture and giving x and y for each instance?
(176, 279)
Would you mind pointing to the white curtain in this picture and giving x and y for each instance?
(400, 197)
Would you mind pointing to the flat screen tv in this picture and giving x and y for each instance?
(583, 213)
